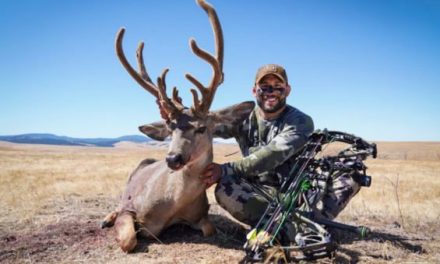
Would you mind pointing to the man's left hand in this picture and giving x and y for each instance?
(211, 174)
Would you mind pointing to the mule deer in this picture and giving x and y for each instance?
(161, 193)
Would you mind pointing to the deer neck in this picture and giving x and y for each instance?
(198, 164)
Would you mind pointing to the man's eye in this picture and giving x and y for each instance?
(200, 130)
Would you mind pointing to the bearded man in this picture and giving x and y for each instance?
(269, 141)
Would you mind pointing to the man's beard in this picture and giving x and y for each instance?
(281, 103)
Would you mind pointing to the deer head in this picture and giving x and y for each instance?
(191, 129)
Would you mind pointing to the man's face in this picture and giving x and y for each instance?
(271, 93)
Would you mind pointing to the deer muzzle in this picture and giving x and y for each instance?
(175, 161)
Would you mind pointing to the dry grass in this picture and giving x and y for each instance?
(52, 198)
(31, 176)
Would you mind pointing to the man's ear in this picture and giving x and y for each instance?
(157, 130)
(254, 90)
(288, 90)
(234, 115)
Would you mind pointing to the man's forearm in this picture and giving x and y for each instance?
(266, 158)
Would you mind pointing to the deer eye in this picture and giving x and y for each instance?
(200, 130)
(172, 126)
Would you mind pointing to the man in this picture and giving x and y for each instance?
(269, 140)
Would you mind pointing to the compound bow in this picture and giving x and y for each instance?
(295, 208)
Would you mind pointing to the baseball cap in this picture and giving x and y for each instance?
(274, 69)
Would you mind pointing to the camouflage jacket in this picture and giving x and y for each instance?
(268, 147)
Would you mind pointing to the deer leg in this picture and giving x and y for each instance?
(208, 229)
(126, 234)
(110, 219)
(197, 216)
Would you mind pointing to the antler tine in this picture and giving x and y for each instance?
(138, 78)
(196, 101)
(144, 79)
(169, 105)
(216, 62)
(173, 105)
(199, 86)
(141, 65)
(176, 99)
(217, 28)
(161, 84)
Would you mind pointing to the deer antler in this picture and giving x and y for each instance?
(173, 107)
(216, 62)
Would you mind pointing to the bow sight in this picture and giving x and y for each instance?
(292, 227)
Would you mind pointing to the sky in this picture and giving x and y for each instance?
(370, 68)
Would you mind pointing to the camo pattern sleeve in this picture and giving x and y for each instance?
(280, 141)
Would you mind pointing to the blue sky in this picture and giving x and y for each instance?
(371, 68)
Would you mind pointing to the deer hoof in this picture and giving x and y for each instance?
(109, 220)
(208, 229)
(105, 224)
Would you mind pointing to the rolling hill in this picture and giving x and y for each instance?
(51, 139)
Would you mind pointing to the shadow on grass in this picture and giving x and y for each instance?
(344, 238)
(230, 235)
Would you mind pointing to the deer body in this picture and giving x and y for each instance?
(159, 197)
(161, 193)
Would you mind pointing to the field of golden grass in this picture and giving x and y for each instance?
(52, 199)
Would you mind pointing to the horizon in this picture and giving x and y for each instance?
(216, 139)
(366, 68)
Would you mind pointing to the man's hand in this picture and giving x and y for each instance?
(211, 174)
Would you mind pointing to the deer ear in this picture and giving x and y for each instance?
(233, 116)
(157, 130)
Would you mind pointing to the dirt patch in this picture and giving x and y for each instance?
(79, 240)
(44, 243)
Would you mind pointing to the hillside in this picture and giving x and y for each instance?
(51, 139)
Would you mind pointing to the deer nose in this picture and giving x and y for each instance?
(175, 161)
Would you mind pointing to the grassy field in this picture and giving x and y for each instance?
(52, 199)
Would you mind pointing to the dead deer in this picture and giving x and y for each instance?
(159, 194)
